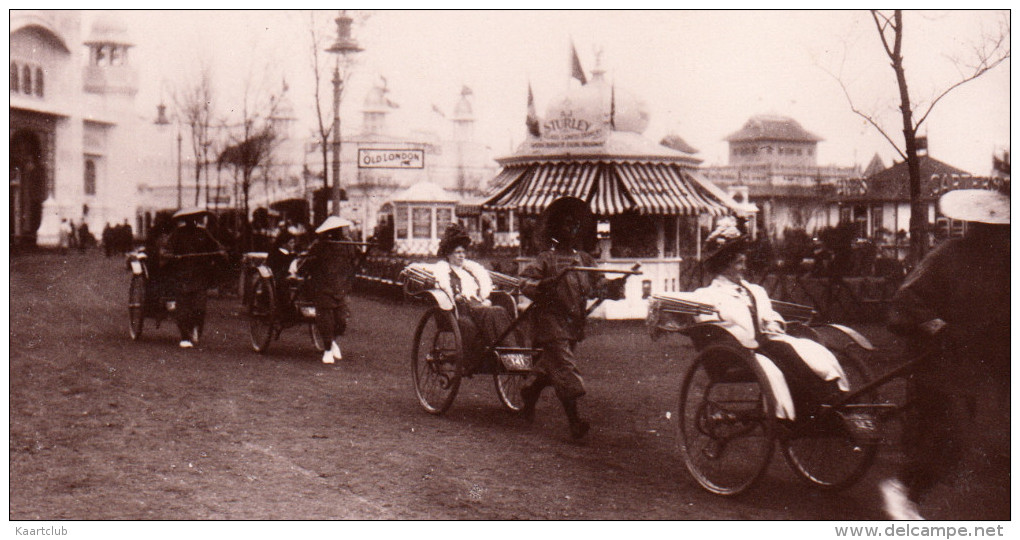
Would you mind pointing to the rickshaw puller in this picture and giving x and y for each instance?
(561, 309)
(190, 277)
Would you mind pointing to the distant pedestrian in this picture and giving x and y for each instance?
(108, 236)
(84, 236)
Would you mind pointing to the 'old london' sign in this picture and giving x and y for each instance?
(379, 158)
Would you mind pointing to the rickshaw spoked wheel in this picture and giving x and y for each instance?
(435, 355)
(262, 314)
(726, 419)
(136, 306)
(823, 452)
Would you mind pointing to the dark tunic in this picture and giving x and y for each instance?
(957, 416)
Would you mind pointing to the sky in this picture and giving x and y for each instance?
(701, 73)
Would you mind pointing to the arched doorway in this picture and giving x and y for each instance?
(27, 186)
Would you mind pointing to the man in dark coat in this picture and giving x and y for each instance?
(561, 309)
(955, 307)
(330, 266)
(192, 254)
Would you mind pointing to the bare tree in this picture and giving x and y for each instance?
(322, 29)
(194, 104)
(985, 55)
(250, 147)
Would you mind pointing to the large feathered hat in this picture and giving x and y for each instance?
(724, 241)
(454, 237)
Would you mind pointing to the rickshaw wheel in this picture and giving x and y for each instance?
(726, 419)
(508, 388)
(317, 340)
(435, 358)
(826, 455)
(261, 311)
(136, 306)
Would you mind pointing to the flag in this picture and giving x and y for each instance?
(437, 110)
(575, 66)
(532, 120)
(612, 107)
(465, 91)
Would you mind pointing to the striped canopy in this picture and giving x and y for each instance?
(610, 188)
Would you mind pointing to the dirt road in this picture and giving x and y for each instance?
(106, 428)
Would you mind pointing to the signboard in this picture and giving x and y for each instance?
(378, 158)
(573, 130)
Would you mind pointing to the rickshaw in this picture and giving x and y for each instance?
(269, 316)
(152, 298)
(734, 405)
(439, 360)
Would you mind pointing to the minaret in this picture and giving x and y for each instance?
(377, 106)
(463, 117)
(109, 70)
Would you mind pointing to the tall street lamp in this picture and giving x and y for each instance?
(343, 46)
(162, 120)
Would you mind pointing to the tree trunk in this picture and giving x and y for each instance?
(918, 210)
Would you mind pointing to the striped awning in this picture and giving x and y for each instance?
(610, 189)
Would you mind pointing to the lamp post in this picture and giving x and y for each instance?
(343, 46)
(162, 120)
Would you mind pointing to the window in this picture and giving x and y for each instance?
(26, 80)
(90, 176)
(39, 82)
(14, 77)
(421, 223)
(400, 218)
(444, 216)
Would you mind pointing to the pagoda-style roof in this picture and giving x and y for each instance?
(893, 184)
(772, 128)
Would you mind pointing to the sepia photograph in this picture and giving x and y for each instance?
(662, 268)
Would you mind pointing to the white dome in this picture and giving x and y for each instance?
(598, 103)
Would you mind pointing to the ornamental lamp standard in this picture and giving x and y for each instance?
(343, 46)
(162, 120)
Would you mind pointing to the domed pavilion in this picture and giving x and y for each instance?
(652, 204)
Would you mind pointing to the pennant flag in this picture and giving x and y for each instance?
(575, 66)
(612, 107)
(465, 91)
(532, 120)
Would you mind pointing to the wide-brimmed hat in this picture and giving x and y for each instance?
(976, 205)
(454, 237)
(725, 240)
(551, 223)
(333, 222)
(192, 211)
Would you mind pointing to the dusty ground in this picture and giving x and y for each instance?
(105, 428)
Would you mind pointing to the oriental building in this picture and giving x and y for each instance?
(773, 163)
